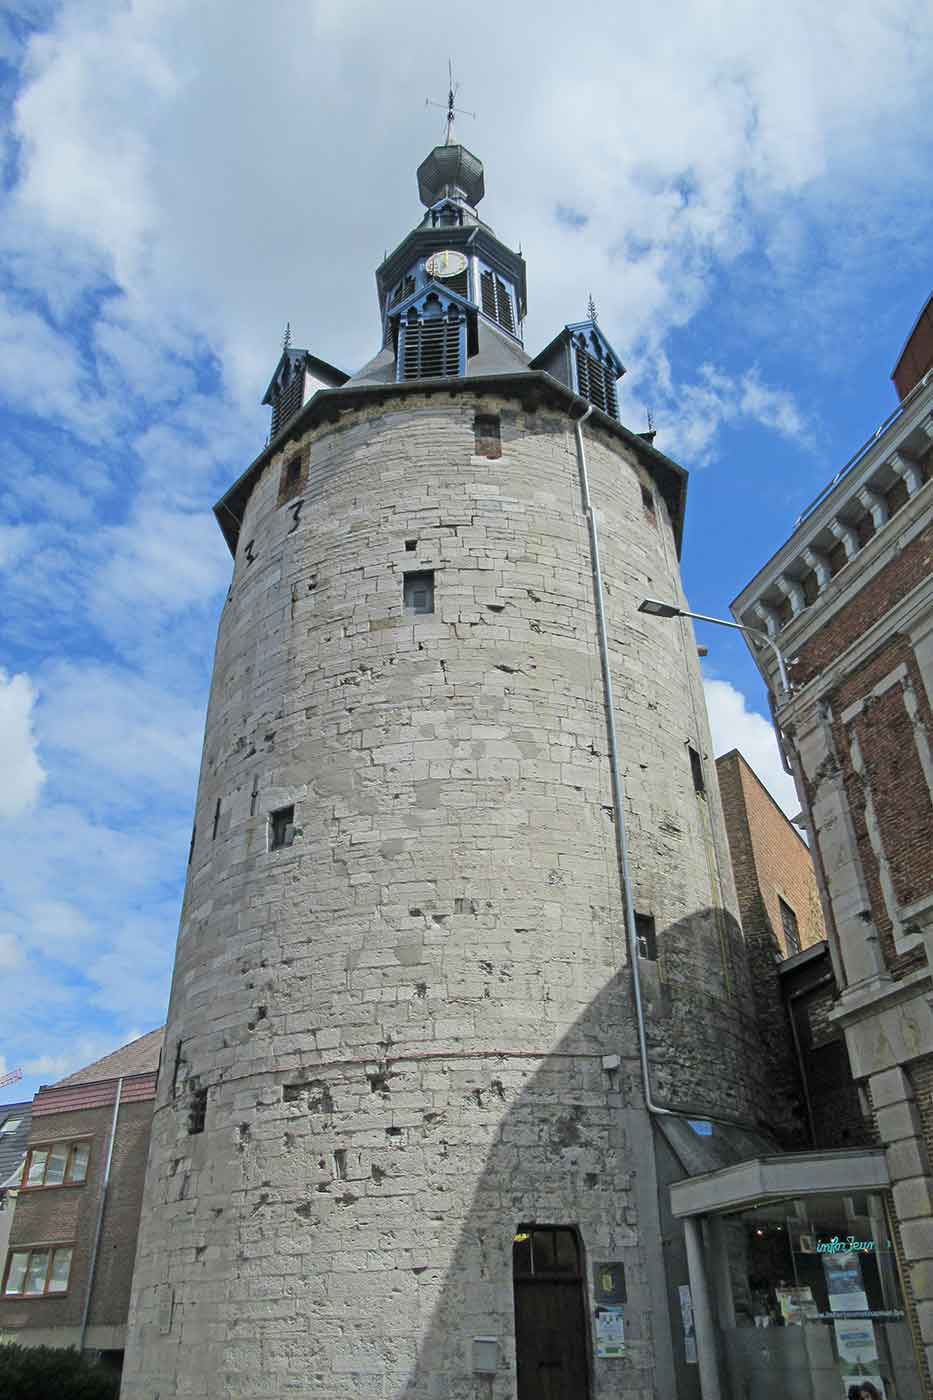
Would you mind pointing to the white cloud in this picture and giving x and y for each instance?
(23, 774)
(734, 726)
(694, 413)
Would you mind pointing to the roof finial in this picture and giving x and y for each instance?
(287, 339)
(650, 420)
(452, 91)
(591, 308)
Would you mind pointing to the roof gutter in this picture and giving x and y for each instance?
(100, 1217)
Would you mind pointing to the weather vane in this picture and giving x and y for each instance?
(452, 91)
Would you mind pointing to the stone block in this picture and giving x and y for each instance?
(917, 1239)
(890, 1087)
(907, 1159)
(898, 1121)
(913, 1198)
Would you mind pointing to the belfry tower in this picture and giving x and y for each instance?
(458, 875)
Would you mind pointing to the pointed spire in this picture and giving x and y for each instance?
(591, 309)
(287, 339)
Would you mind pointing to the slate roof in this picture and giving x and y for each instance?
(139, 1057)
(13, 1145)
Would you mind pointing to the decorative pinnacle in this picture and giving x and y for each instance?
(287, 339)
(452, 91)
(591, 308)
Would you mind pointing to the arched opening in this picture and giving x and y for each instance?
(550, 1317)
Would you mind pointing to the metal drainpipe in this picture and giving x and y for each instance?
(100, 1216)
(618, 789)
(706, 1336)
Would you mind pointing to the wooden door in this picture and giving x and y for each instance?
(550, 1319)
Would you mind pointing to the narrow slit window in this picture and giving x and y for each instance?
(791, 930)
(418, 592)
(647, 499)
(281, 828)
(696, 768)
(646, 937)
(216, 820)
(197, 1111)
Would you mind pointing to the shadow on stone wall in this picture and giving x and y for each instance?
(569, 1143)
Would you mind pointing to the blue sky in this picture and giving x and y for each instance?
(745, 193)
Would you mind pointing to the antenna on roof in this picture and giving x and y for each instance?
(452, 91)
(591, 308)
(286, 342)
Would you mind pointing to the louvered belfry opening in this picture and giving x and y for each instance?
(496, 301)
(596, 381)
(288, 397)
(460, 283)
(403, 290)
(431, 343)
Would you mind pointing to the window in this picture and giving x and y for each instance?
(432, 342)
(418, 592)
(57, 1164)
(216, 820)
(411, 545)
(646, 936)
(496, 300)
(9, 1125)
(488, 435)
(281, 828)
(34, 1273)
(696, 767)
(547, 1251)
(197, 1112)
(791, 931)
(403, 290)
(647, 499)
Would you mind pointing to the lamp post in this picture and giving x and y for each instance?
(657, 609)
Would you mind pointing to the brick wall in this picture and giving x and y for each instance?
(68, 1215)
(770, 862)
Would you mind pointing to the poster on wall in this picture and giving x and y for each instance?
(855, 1340)
(844, 1283)
(848, 1382)
(610, 1332)
(796, 1304)
(686, 1313)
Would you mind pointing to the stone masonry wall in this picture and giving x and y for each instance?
(399, 1019)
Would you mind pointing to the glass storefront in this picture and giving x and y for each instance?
(808, 1301)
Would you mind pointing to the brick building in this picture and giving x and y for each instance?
(848, 598)
(68, 1264)
(814, 1100)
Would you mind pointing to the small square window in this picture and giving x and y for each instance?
(696, 767)
(411, 545)
(418, 593)
(281, 828)
(646, 937)
(197, 1112)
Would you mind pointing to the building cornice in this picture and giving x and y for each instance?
(857, 491)
(532, 388)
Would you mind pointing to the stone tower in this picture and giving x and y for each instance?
(401, 1117)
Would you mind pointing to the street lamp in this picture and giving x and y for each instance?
(657, 609)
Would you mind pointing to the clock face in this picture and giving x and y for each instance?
(446, 264)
